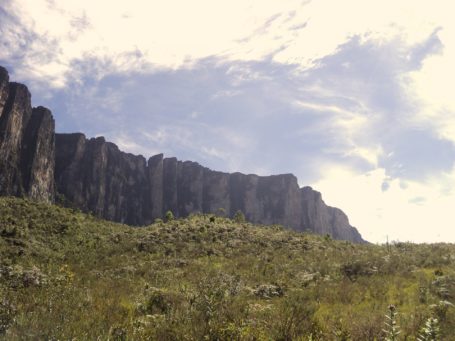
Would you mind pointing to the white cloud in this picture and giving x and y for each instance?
(419, 212)
(125, 143)
(175, 32)
(433, 86)
(166, 33)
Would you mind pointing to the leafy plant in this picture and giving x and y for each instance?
(239, 217)
(430, 332)
(392, 330)
(169, 216)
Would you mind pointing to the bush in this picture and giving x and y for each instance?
(352, 270)
(159, 302)
(269, 291)
(239, 217)
(169, 216)
(7, 315)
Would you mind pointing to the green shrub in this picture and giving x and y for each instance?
(239, 217)
(169, 216)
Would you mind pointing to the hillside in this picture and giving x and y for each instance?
(67, 275)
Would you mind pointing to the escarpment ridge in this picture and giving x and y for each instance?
(94, 175)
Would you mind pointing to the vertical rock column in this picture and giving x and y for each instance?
(154, 198)
(16, 114)
(190, 185)
(27, 145)
(170, 195)
(38, 161)
(216, 192)
(69, 177)
(4, 88)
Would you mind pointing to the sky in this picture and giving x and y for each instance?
(354, 97)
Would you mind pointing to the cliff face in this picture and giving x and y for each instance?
(95, 176)
(26, 144)
(323, 219)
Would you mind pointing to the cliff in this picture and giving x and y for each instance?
(26, 144)
(94, 175)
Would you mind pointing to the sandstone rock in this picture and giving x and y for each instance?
(170, 186)
(216, 192)
(16, 113)
(4, 88)
(38, 160)
(154, 195)
(95, 176)
(26, 144)
(323, 219)
(190, 188)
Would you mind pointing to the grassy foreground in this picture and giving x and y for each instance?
(65, 275)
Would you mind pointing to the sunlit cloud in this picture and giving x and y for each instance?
(419, 212)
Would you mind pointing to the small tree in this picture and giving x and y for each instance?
(239, 217)
(169, 216)
(221, 212)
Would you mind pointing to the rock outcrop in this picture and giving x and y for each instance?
(95, 176)
(26, 144)
(323, 219)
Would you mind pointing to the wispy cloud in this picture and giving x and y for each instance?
(353, 108)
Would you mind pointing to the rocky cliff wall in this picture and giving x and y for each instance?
(95, 176)
(26, 144)
(317, 216)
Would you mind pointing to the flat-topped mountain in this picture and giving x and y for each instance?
(94, 175)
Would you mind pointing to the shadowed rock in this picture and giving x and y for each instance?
(95, 176)
(98, 177)
(26, 144)
(4, 88)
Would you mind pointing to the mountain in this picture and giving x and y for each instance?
(95, 176)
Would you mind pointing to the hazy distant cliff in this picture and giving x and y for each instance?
(96, 176)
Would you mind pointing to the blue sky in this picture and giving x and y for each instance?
(355, 98)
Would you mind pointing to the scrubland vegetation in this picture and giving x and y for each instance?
(65, 275)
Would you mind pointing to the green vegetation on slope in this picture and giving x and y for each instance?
(65, 275)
